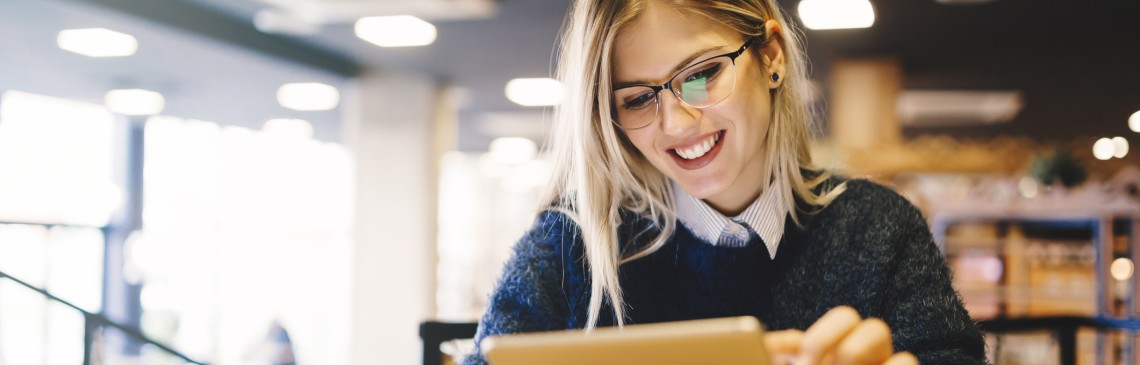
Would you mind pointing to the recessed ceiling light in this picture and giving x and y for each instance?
(134, 102)
(1134, 122)
(309, 96)
(836, 14)
(535, 92)
(395, 31)
(97, 42)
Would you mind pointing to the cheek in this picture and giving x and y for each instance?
(643, 141)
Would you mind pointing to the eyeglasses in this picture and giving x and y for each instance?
(702, 85)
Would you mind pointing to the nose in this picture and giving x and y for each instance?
(676, 116)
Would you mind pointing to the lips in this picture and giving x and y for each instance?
(697, 154)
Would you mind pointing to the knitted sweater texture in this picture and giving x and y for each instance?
(869, 249)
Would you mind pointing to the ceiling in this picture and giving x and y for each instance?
(1075, 62)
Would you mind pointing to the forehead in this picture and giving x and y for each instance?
(650, 47)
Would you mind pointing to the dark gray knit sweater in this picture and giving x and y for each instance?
(869, 249)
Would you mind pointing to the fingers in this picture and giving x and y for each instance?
(783, 345)
(787, 341)
(868, 343)
(824, 336)
(902, 358)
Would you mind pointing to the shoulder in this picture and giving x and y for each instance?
(865, 199)
(553, 223)
(870, 208)
(553, 233)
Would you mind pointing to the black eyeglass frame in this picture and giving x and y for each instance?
(732, 56)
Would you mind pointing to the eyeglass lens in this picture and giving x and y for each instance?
(700, 86)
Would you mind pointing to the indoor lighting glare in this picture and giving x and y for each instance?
(289, 128)
(97, 42)
(395, 31)
(1104, 149)
(513, 150)
(1121, 269)
(1028, 187)
(535, 92)
(308, 96)
(836, 14)
(1134, 122)
(1120, 147)
(134, 102)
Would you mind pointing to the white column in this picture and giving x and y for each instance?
(392, 124)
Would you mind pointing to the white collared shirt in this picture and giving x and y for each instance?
(765, 216)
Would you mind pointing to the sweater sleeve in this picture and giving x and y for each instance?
(924, 311)
(530, 295)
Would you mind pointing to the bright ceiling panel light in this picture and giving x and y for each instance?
(310, 96)
(1104, 149)
(957, 107)
(134, 102)
(1120, 147)
(395, 31)
(1134, 122)
(535, 92)
(836, 14)
(97, 42)
(289, 128)
(281, 22)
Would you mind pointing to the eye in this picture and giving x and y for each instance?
(704, 72)
(640, 100)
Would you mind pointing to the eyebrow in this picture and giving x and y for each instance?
(680, 66)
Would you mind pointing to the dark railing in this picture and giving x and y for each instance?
(92, 322)
(1064, 329)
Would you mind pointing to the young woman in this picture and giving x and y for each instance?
(684, 189)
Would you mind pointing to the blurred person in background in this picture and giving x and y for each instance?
(684, 189)
(275, 349)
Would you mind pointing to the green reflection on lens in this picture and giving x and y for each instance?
(695, 91)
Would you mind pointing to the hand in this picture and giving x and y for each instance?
(840, 337)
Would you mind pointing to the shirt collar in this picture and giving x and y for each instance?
(765, 216)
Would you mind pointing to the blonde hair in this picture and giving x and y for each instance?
(598, 172)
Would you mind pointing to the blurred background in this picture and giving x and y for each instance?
(339, 181)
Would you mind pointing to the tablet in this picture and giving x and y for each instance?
(727, 341)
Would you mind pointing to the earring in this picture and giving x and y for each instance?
(775, 77)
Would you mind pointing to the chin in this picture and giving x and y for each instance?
(702, 188)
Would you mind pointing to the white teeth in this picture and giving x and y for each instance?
(700, 149)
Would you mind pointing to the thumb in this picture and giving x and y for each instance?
(783, 346)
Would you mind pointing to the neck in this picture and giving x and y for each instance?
(738, 197)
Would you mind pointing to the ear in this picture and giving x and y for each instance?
(772, 54)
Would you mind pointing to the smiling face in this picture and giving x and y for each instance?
(714, 153)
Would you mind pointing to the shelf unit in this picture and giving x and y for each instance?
(1104, 224)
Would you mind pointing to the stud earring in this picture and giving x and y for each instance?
(775, 77)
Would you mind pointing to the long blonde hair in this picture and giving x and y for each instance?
(598, 173)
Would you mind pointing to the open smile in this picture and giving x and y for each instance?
(695, 155)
